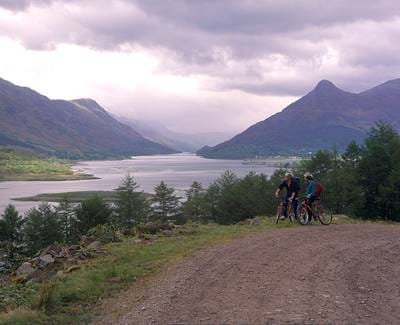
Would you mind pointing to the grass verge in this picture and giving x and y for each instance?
(69, 300)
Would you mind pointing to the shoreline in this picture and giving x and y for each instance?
(73, 197)
(46, 177)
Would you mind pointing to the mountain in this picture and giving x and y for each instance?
(324, 117)
(79, 128)
(157, 132)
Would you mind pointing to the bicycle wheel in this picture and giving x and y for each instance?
(303, 216)
(324, 216)
(278, 213)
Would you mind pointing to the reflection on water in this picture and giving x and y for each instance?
(178, 170)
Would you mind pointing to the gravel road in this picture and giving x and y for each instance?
(338, 274)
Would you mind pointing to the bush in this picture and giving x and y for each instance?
(153, 228)
(107, 233)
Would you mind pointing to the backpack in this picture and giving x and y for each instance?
(319, 189)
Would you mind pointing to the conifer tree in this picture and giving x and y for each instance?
(165, 202)
(131, 205)
(42, 227)
(194, 207)
(69, 221)
(11, 232)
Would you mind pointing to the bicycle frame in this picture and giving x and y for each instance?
(285, 209)
(316, 212)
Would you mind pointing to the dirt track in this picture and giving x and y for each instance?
(340, 274)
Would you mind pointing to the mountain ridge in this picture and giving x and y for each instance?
(80, 128)
(324, 117)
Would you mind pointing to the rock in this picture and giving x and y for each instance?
(74, 247)
(53, 250)
(85, 240)
(64, 253)
(72, 268)
(25, 269)
(255, 222)
(168, 232)
(45, 260)
(94, 245)
(19, 279)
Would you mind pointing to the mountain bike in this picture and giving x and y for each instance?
(307, 213)
(280, 211)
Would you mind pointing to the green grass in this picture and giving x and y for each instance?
(21, 165)
(127, 261)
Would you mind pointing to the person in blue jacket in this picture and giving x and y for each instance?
(311, 192)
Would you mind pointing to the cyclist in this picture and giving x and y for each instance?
(292, 186)
(312, 192)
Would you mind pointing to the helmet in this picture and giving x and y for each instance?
(288, 174)
(308, 175)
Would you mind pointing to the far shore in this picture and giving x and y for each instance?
(73, 197)
(47, 177)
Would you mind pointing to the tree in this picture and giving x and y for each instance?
(42, 227)
(69, 221)
(221, 197)
(375, 167)
(194, 207)
(131, 205)
(11, 232)
(92, 212)
(352, 155)
(320, 164)
(230, 199)
(165, 202)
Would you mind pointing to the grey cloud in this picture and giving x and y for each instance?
(226, 39)
(254, 16)
(22, 4)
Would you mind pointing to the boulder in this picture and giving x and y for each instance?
(25, 269)
(53, 250)
(255, 222)
(95, 245)
(168, 232)
(45, 260)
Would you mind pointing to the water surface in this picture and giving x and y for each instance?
(178, 170)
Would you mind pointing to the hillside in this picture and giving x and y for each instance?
(16, 165)
(72, 129)
(324, 117)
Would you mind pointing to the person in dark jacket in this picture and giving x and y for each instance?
(291, 185)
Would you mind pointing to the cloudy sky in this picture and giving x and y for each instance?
(197, 65)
